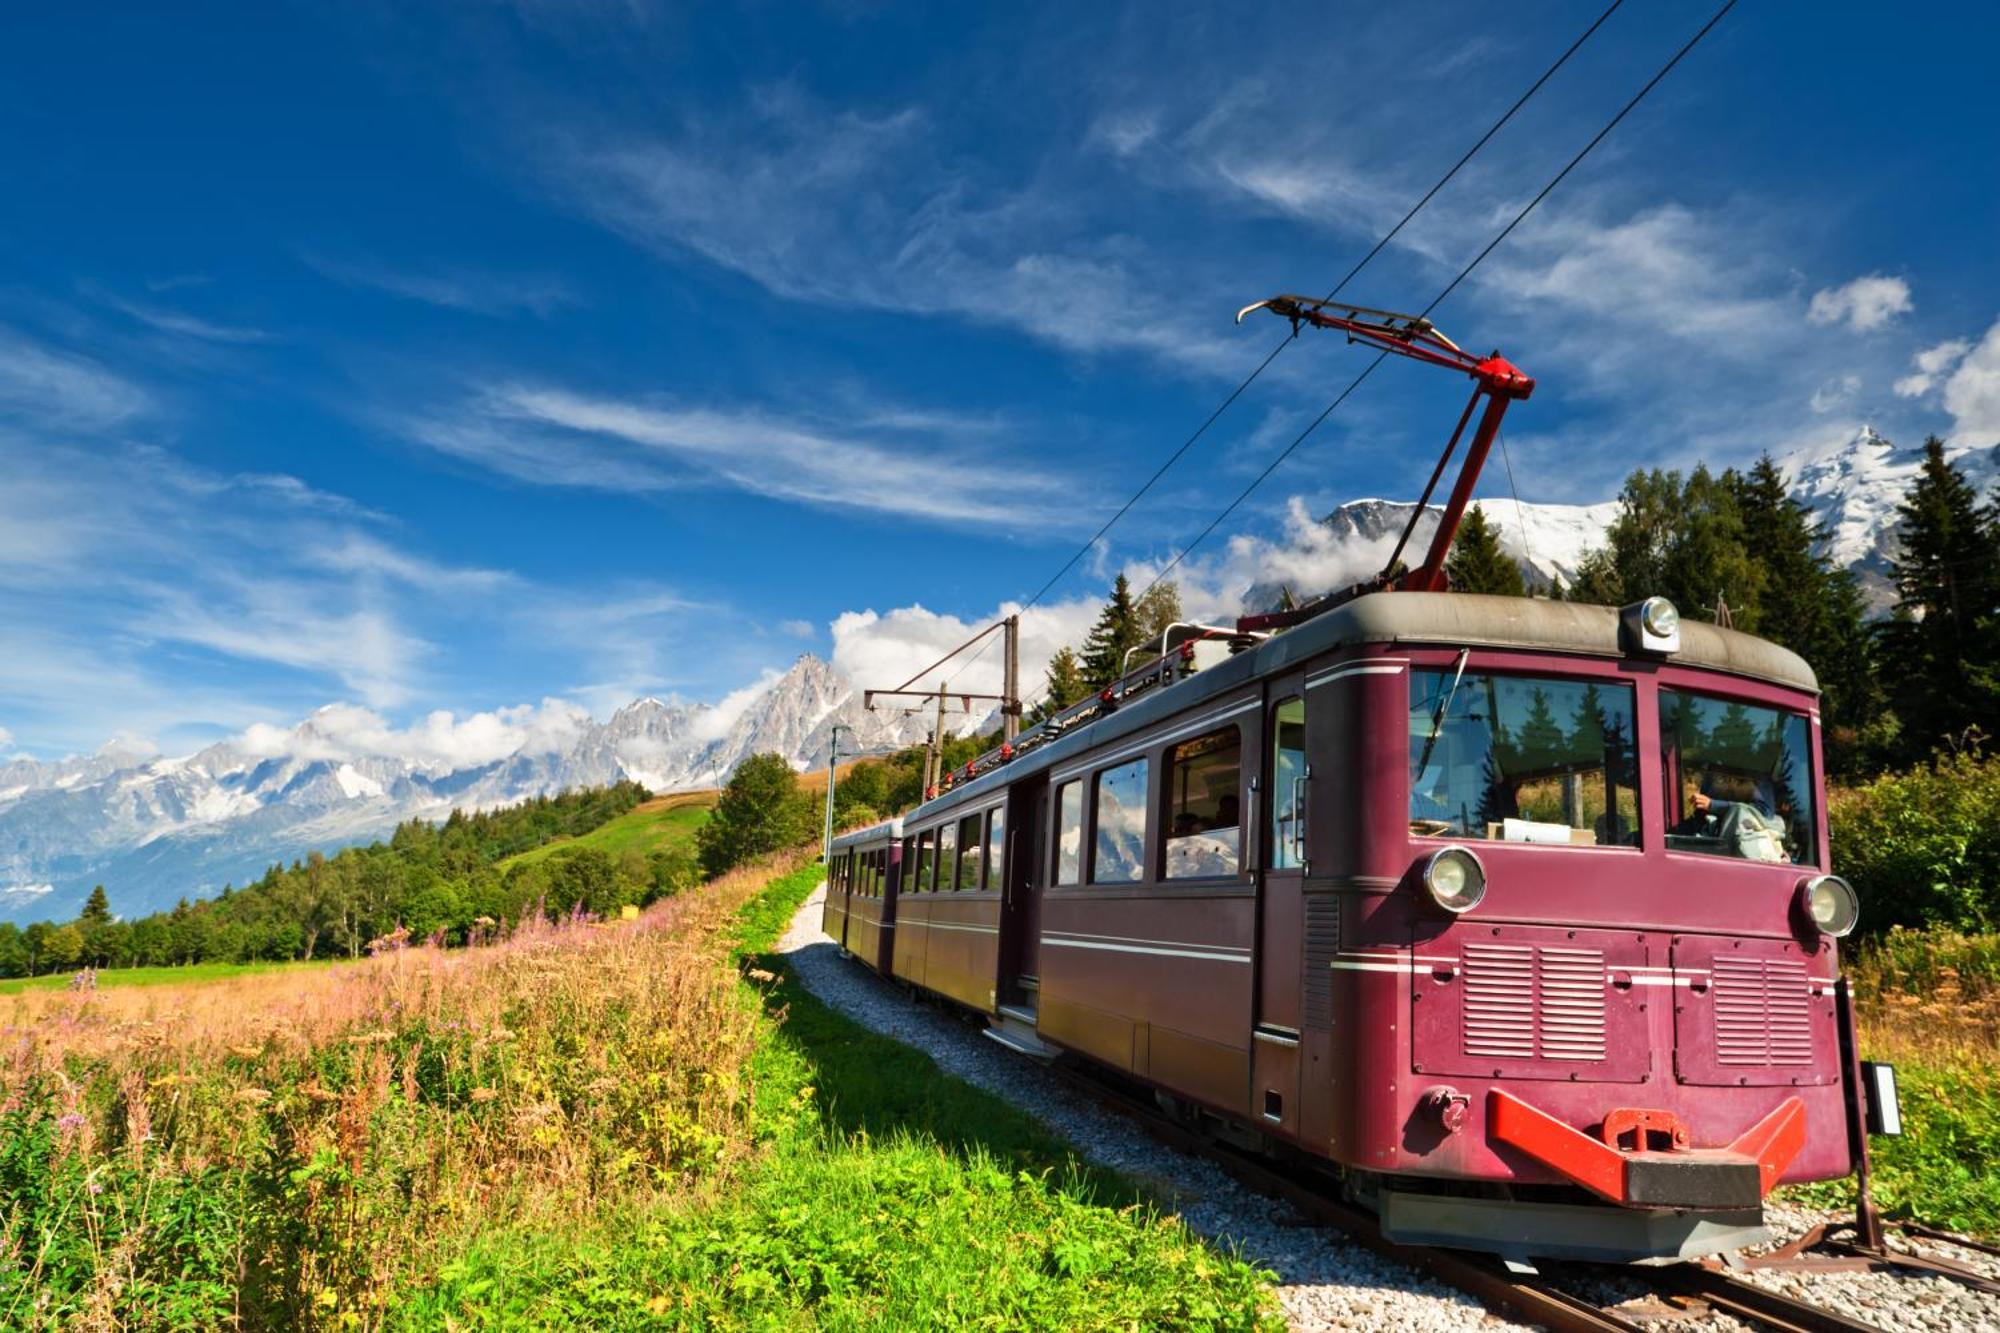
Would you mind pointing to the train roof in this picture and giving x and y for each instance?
(888, 829)
(1446, 619)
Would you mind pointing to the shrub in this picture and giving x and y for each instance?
(761, 812)
(1922, 848)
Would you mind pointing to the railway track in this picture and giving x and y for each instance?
(1537, 1298)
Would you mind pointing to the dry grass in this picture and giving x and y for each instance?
(1928, 997)
(361, 1114)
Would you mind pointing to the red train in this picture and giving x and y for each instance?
(1516, 912)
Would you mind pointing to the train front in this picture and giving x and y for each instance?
(1588, 948)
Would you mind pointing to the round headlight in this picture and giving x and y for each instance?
(1660, 617)
(1455, 879)
(1830, 904)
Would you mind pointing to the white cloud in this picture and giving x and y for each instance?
(1866, 303)
(56, 389)
(1931, 363)
(797, 629)
(476, 292)
(1972, 394)
(6, 739)
(879, 650)
(555, 437)
(440, 741)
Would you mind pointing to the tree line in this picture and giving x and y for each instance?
(441, 881)
(1740, 547)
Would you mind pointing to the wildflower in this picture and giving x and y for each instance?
(759, 974)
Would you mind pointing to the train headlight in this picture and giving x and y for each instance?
(1651, 626)
(1455, 879)
(1660, 617)
(1829, 902)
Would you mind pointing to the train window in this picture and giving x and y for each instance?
(909, 863)
(1118, 856)
(996, 848)
(971, 844)
(1522, 759)
(1204, 806)
(947, 858)
(1738, 779)
(1069, 834)
(926, 854)
(1288, 785)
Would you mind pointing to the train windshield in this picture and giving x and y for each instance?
(1738, 779)
(1522, 759)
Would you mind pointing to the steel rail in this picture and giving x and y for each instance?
(1746, 1300)
(1530, 1297)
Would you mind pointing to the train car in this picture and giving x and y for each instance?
(1515, 913)
(864, 872)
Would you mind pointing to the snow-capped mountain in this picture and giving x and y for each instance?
(155, 830)
(1852, 486)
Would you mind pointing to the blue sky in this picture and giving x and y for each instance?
(466, 356)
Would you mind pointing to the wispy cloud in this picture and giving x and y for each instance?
(480, 293)
(46, 387)
(181, 324)
(871, 212)
(1929, 367)
(554, 436)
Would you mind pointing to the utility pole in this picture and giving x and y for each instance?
(1010, 689)
(934, 753)
(832, 768)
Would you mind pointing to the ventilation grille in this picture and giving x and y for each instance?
(1322, 943)
(1523, 1003)
(1763, 1012)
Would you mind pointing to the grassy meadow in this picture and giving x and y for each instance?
(155, 976)
(664, 821)
(631, 1124)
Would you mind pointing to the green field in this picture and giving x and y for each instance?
(155, 976)
(661, 822)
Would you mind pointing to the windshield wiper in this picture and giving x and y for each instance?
(1437, 719)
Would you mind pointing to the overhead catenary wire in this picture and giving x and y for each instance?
(1388, 236)
(1449, 288)
(1229, 399)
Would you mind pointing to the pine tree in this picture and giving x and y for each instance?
(1943, 640)
(1809, 605)
(1116, 631)
(1477, 564)
(97, 908)
(1065, 684)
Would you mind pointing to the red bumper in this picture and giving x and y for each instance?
(1658, 1171)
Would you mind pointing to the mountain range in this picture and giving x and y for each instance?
(154, 830)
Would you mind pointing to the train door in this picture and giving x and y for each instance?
(1021, 900)
(1279, 846)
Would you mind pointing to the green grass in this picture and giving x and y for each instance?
(156, 976)
(1944, 1169)
(659, 823)
(885, 1195)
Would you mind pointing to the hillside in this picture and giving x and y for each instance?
(660, 824)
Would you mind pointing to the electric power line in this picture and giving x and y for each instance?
(1237, 392)
(1449, 288)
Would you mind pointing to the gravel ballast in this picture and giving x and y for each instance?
(1325, 1280)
